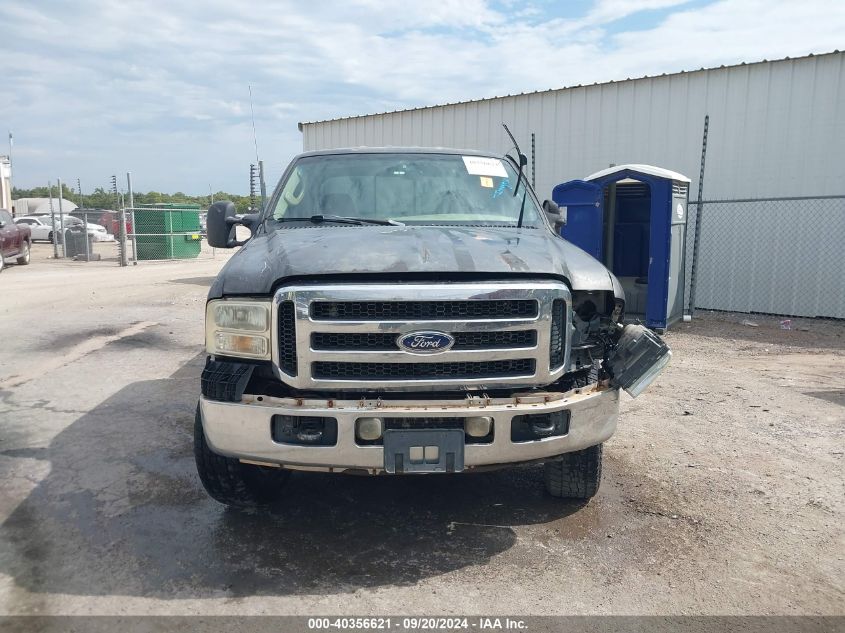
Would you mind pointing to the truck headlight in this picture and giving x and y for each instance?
(638, 358)
(238, 328)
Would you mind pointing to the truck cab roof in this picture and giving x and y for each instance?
(397, 150)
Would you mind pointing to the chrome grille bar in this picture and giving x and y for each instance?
(386, 341)
(529, 361)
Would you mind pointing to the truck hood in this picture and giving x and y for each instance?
(268, 259)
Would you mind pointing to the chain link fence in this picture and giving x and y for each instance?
(162, 232)
(779, 256)
(79, 234)
(101, 228)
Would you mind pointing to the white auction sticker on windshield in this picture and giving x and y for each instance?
(484, 166)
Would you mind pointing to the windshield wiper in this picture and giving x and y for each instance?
(341, 219)
(351, 220)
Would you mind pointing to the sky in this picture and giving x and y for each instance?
(93, 88)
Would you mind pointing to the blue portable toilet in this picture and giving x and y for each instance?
(580, 203)
(633, 218)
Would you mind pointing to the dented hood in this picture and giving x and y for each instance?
(363, 250)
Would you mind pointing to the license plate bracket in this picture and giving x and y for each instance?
(423, 451)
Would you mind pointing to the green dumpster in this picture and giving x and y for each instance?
(167, 231)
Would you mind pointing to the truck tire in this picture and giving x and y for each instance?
(229, 481)
(23, 259)
(575, 475)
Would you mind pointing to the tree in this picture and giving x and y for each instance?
(101, 198)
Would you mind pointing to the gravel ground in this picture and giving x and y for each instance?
(722, 490)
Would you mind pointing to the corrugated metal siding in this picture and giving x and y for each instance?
(776, 129)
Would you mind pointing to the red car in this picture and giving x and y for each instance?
(103, 217)
(109, 219)
(15, 240)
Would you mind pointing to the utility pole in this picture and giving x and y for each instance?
(62, 221)
(262, 185)
(53, 221)
(121, 223)
(253, 176)
(132, 218)
(84, 221)
(11, 180)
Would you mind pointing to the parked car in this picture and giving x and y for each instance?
(15, 240)
(44, 227)
(410, 311)
(40, 227)
(97, 231)
(104, 217)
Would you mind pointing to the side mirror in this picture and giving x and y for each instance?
(556, 215)
(220, 232)
(221, 221)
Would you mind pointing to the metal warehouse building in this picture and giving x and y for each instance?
(773, 216)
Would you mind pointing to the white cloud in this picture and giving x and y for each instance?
(606, 11)
(161, 88)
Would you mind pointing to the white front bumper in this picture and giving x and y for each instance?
(243, 430)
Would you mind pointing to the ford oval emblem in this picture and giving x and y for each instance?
(425, 342)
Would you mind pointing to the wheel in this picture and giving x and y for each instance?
(229, 481)
(23, 259)
(575, 475)
(50, 237)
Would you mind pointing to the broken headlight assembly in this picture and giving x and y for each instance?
(631, 355)
(238, 328)
(595, 315)
(637, 359)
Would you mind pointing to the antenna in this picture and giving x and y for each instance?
(257, 160)
(523, 160)
(252, 112)
(513, 140)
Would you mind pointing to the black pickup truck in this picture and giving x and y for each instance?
(409, 311)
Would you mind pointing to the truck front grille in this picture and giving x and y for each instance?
(421, 310)
(557, 341)
(416, 371)
(345, 336)
(517, 339)
(287, 337)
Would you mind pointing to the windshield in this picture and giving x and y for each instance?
(408, 188)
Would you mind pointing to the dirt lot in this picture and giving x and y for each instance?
(722, 494)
